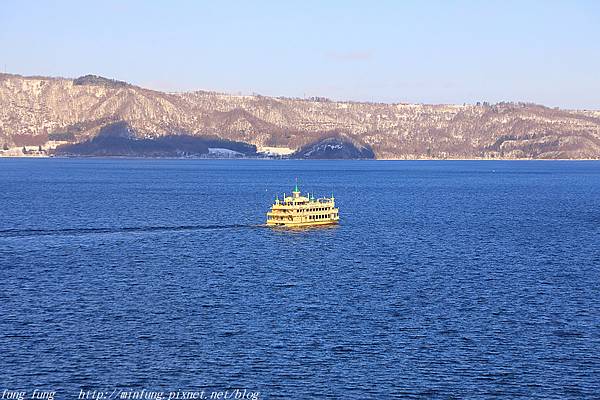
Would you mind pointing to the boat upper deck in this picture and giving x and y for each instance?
(302, 203)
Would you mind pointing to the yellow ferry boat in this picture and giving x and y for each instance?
(299, 211)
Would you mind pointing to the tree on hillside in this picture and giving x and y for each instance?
(5, 147)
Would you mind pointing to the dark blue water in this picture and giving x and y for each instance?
(443, 280)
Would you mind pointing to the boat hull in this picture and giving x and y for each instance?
(301, 224)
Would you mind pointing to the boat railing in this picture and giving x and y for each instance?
(324, 200)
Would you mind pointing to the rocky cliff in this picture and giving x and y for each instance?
(36, 110)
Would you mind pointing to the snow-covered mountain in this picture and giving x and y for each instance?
(43, 111)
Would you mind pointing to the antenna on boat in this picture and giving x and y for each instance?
(296, 191)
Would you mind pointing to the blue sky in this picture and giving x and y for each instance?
(545, 52)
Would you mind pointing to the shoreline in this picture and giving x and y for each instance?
(292, 159)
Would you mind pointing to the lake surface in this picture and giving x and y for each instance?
(455, 279)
